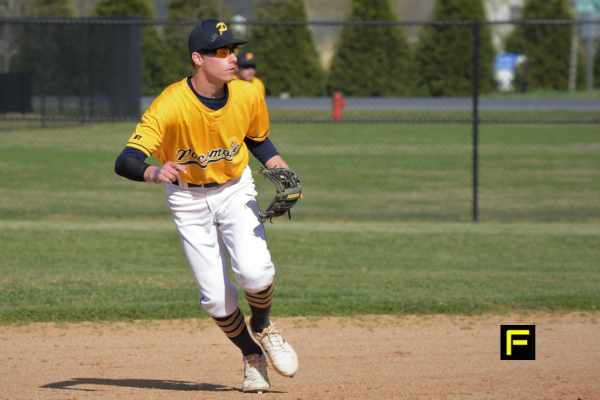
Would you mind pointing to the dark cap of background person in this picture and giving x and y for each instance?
(246, 59)
(211, 34)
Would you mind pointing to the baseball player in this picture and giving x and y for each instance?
(202, 129)
(247, 70)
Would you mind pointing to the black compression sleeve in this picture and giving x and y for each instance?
(131, 164)
(263, 151)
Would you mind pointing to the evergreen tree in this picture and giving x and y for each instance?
(445, 52)
(547, 47)
(49, 8)
(125, 8)
(371, 60)
(287, 55)
(195, 9)
(176, 36)
(154, 57)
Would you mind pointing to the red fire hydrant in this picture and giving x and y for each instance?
(337, 105)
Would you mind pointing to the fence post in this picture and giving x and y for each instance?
(590, 51)
(83, 80)
(476, 27)
(573, 58)
(42, 84)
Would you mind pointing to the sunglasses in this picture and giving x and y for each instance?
(223, 52)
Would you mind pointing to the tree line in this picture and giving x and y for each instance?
(369, 59)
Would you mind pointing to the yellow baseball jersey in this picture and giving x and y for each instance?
(256, 83)
(178, 127)
(259, 85)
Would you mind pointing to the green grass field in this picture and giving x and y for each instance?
(384, 227)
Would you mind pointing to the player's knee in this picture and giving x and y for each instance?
(219, 306)
(254, 278)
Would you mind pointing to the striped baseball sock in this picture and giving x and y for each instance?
(234, 326)
(260, 304)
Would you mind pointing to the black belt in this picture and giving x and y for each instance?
(200, 185)
(205, 185)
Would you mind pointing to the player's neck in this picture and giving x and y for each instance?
(213, 89)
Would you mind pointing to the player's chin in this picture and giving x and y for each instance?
(229, 75)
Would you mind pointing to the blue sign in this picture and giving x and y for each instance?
(506, 61)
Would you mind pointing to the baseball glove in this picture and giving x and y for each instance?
(288, 192)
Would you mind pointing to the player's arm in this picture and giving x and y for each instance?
(145, 140)
(257, 138)
(266, 153)
(131, 164)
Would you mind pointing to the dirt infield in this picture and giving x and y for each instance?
(409, 357)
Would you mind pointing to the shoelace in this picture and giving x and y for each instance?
(274, 336)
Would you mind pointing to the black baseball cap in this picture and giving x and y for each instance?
(211, 34)
(246, 59)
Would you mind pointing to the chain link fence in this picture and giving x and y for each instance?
(516, 148)
(92, 70)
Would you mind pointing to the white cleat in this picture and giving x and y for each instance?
(256, 378)
(280, 353)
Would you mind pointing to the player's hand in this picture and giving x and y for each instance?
(276, 162)
(169, 172)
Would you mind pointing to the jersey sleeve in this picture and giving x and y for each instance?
(259, 124)
(147, 135)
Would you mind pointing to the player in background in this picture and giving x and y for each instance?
(201, 130)
(247, 70)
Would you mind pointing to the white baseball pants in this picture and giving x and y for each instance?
(218, 225)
